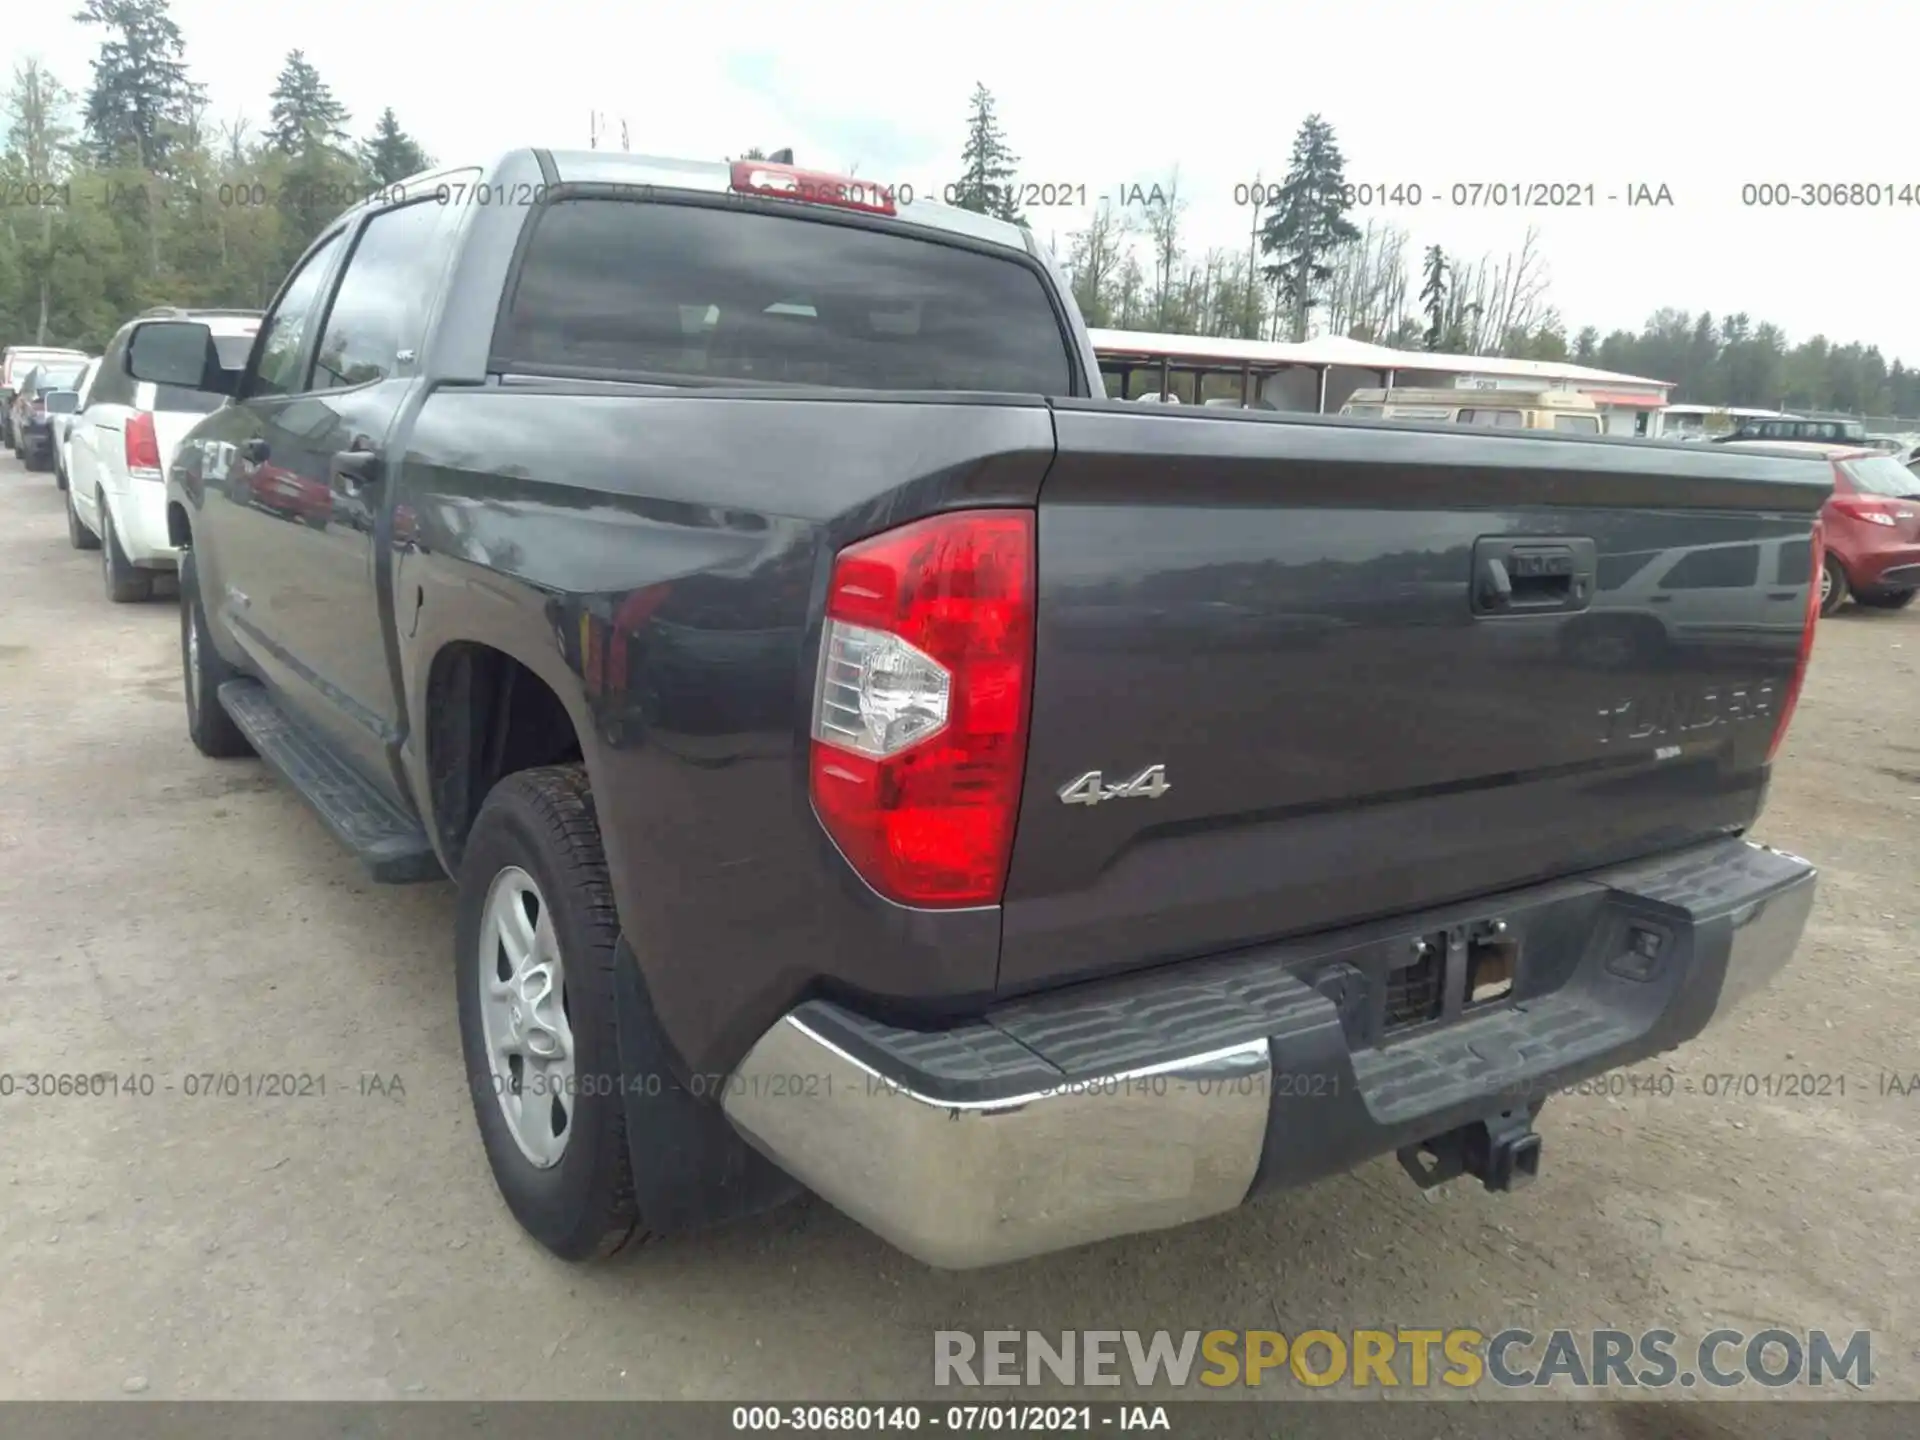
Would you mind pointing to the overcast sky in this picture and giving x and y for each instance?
(1701, 99)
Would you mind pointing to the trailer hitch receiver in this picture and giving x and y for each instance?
(1502, 1151)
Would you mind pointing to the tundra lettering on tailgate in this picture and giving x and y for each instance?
(1685, 712)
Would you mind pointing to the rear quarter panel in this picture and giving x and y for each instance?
(659, 560)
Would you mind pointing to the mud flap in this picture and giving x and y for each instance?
(691, 1169)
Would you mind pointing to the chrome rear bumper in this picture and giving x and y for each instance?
(1167, 1097)
(968, 1183)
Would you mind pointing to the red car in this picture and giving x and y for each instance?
(1871, 524)
(290, 494)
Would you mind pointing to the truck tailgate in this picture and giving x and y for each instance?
(1303, 623)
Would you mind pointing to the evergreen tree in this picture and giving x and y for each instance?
(390, 154)
(141, 98)
(305, 116)
(1309, 221)
(1433, 296)
(986, 183)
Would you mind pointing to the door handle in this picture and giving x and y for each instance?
(1521, 576)
(255, 451)
(355, 469)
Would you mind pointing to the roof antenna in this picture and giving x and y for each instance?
(781, 157)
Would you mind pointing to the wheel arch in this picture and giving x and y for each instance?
(486, 712)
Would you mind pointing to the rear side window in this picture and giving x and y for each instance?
(1578, 424)
(111, 383)
(1364, 412)
(617, 287)
(1717, 567)
(1490, 417)
(1617, 570)
(1795, 563)
(377, 311)
(1880, 475)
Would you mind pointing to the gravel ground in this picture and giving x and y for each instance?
(167, 915)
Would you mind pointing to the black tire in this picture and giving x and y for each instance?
(78, 535)
(543, 822)
(35, 462)
(203, 671)
(1837, 587)
(1885, 599)
(125, 584)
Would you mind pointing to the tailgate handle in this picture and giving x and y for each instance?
(1517, 576)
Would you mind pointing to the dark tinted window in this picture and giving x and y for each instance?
(1613, 571)
(379, 308)
(1719, 567)
(233, 350)
(285, 331)
(112, 385)
(1795, 565)
(678, 290)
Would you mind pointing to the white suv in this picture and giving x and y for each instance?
(119, 448)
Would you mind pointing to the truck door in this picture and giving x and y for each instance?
(329, 472)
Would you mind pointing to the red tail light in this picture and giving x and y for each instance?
(920, 706)
(143, 447)
(1806, 643)
(1860, 507)
(817, 187)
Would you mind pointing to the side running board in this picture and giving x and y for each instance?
(389, 841)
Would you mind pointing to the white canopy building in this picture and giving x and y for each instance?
(1317, 376)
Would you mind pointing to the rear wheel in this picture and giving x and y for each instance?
(1885, 599)
(125, 584)
(78, 535)
(534, 952)
(1833, 586)
(35, 461)
(204, 670)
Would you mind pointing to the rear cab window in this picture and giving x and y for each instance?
(681, 293)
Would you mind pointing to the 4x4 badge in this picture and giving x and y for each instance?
(1149, 784)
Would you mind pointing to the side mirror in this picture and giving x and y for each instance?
(179, 352)
(62, 402)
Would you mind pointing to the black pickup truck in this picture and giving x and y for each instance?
(871, 760)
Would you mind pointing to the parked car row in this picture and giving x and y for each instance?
(29, 377)
(109, 439)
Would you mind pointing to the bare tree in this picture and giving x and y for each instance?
(1368, 289)
(1094, 258)
(38, 128)
(38, 132)
(1516, 299)
(234, 135)
(1164, 214)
